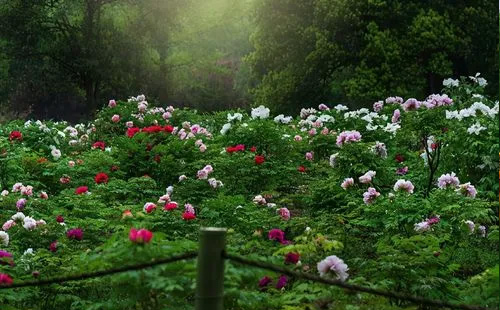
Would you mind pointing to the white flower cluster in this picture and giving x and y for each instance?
(260, 112)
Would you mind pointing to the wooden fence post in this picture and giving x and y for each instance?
(210, 279)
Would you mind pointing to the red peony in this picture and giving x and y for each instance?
(399, 158)
(132, 131)
(53, 246)
(99, 145)
(188, 216)
(16, 135)
(169, 128)
(101, 177)
(170, 206)
(60, 219)
(81, 190)
(75, 233)
(301, 169)
(253, 149)
(259, 159)
(5, 279)
(292, 258)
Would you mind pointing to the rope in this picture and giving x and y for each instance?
(101, 273)
(352, 287)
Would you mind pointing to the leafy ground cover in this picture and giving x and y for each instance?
(402, 197)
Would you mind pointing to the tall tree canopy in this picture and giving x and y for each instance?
(360, 51)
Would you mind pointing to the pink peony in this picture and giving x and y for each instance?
(367, 177)
(149, 207)
(348, 182)
(448, 180)
(396, 115)
(112, 103)
(370, 195)
(75, 233)
(348, 137)
(467, 190)
(309, 156)
(403, 185)
(284, 213)
(115, 118)
(277, 235)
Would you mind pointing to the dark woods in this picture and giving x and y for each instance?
(64, 59)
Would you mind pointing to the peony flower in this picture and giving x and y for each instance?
(20, 204)
(182, 178)
(402, 185)
(323, 107)
(4, 193)
(16, 135)
(370, 195)
(141, 236)
(422, 226)
(18, 217)
(395, 116)
(65, 180)
(297, 138)
(402, 171)
(348, 182)
(348, 137)
(411, 104)
(29, 223)
(60, 219)
(56, 154)
(4, 238)
(277, 235)
(367, 177)
(5, 279)
(301, 169)
(53, 246)
(188, 216)
(265, 281)
(202, 174)
(334, 265)
(101, 177)
(448, 180)
(471, 226)
(281, 282)
(377, 106)
(129, 124)
(131, 131)
(115, 118)
(170, 206)
(99, 145)
(112, 103)
(27, 190)
(467, 190)
(75, 233)
(259, 200)
(260, 112)
(149, 207)
(71, 163)
(482, 231)
(292, 258)
(259, 159)
(284, 213)
(81, 190)
(380, 149)
(8, 225)
(309, 156)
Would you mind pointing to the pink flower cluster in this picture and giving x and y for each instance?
(448, 180)
(427, 224)
(370, 195)
(403, 185)
(348, 137)
(203, 173)
(367, 177)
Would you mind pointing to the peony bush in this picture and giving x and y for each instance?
(401, 197)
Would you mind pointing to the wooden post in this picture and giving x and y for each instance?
(210, 280)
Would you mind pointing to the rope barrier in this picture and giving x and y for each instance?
(352, 287)
(101, 273)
